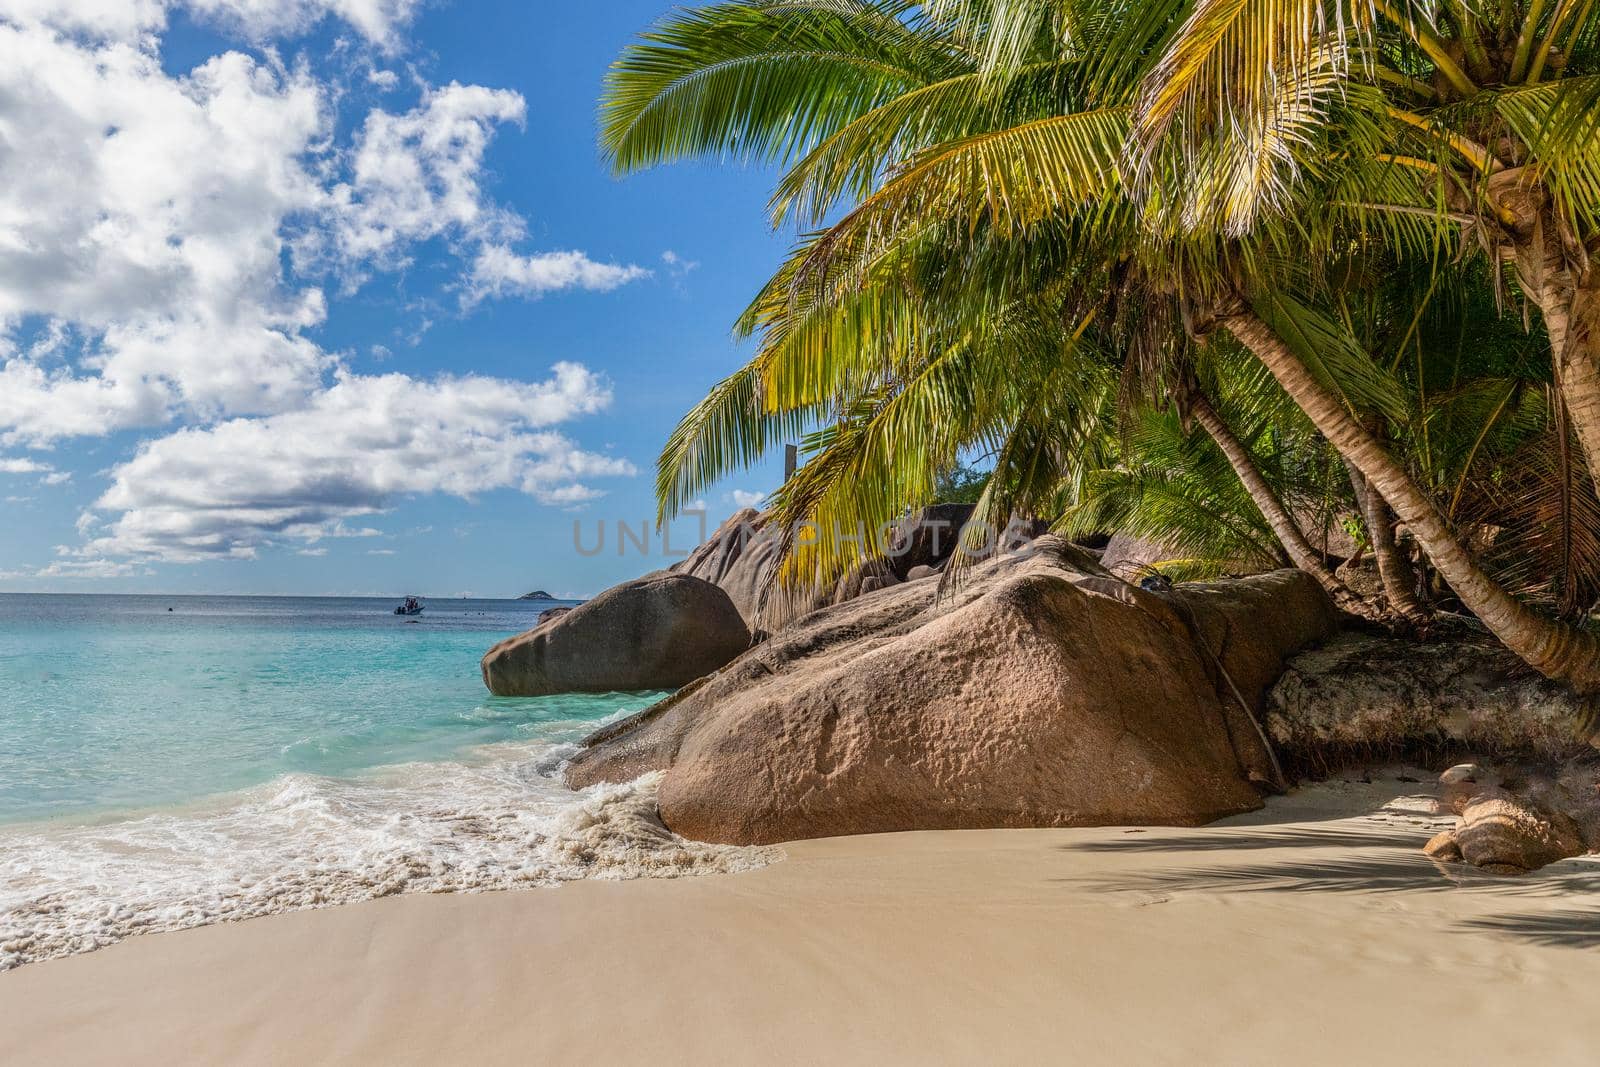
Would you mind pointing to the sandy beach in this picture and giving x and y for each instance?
(1313, 931)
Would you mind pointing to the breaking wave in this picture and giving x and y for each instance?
(303, 841)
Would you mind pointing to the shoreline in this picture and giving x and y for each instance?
(1314, 928)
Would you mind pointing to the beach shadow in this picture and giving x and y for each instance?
(1414, 873)
(1555, 929)
(1248, 838)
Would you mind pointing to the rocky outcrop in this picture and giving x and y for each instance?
(1042, 693)
(738, 559)
(1511, 824)
(1129, 557)
(1366, 696)
(927, 538)
(741, 555)
(657, 632)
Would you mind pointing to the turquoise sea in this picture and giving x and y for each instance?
(167, 761)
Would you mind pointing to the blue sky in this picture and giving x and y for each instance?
(337, 296)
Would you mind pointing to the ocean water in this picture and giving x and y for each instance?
(172, 761)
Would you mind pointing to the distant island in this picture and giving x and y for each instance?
(537, 594)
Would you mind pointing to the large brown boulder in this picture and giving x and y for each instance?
(1043, 693)
(657, 632)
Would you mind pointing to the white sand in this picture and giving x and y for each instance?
(1304, 934)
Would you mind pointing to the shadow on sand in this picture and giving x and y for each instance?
(1254, 837)
(1555, 929)
(1387, 862)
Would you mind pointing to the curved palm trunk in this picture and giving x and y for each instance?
(1554, 649)
(1294, 541)
(1569, 303)
(1394, 569)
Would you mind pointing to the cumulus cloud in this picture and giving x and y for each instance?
(227, 491)
(170, 242)
(416, 175)
(379, 21)
(745, 498)
(141, 213)
(145, 220)
(498, 271)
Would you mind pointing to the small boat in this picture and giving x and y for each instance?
(412, 606)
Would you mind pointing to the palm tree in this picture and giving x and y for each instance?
(1479, 122)
(1006, 166)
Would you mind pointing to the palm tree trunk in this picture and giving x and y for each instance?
(1394, 569)
(1570, 306)
(1553, 648)
(1294, 541)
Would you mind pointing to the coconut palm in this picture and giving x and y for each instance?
(1492, 121)
(989, 177)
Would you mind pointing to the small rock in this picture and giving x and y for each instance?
(1443, 847)
(1460, 784)
(875, 582)
(921, 571)
(1461, 772)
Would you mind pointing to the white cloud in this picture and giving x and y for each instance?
(380, 552)
(142, 214)
(312, 552)
(498, 271)
(120, 20)
(745, 498)
(416, 176)
(379, 21)
(166, 239)
(228, 490)
(95, 568)
(677, 266)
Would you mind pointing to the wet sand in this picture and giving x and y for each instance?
(1312, 932)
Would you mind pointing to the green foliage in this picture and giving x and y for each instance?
(1032, 213)
(960, 484)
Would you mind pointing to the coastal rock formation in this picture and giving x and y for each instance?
(738, 560)
(1128, 557)
(1368, 695)
(656, 632)
(927, 538)
(1515, 830)
(1043, 693)
(740, 556)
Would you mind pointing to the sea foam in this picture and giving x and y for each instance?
(303, 841)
